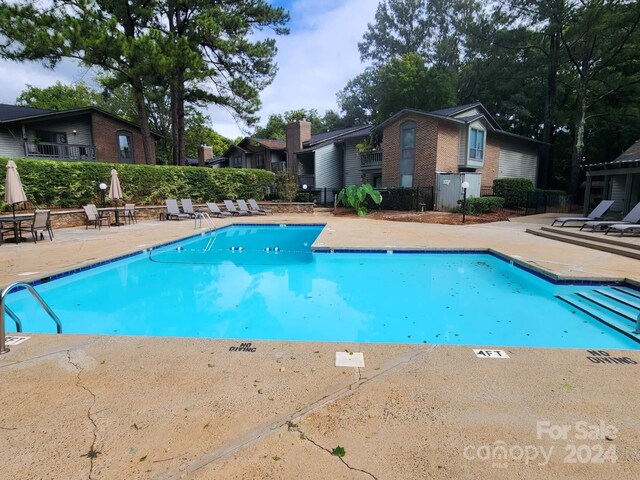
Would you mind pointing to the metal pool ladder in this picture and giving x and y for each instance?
(3, 308)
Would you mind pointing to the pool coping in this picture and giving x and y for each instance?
(532, 269)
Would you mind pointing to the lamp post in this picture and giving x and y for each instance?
(465, 185)
(103, 187)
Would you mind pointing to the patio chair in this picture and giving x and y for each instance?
(215, 209)
(231, 208)
(94, 218)
(630, 218)
(173, 211)
(242, 206)
(623, 228)
(41, 223)
(254, 206)
(596, 214)
(187, 207)
(130, 212)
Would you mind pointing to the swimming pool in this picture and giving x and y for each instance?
(264, 283)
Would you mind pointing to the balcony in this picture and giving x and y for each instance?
(61, 151)
(371, 160)
(308, 180)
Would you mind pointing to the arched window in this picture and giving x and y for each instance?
(407, 153)
(125, 147)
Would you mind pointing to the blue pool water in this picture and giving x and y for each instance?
(227, 285)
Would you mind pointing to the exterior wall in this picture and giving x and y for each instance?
(517, 159)
(234, 153)
(425, 156)
(105, 133)
(448, 147)
(491, 169)
(351, 170)
(11, 144)
(462, 145)
(82, 126)
(328, 167)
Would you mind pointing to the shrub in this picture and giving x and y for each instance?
(355, 196)
(513, 190)
(53, 183)
(286, 186)
(479, 205)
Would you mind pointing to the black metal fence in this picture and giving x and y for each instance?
(407, 199)
(551, 202)
(487, 191)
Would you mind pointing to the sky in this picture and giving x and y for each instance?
(315, 61)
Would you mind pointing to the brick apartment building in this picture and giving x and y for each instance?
(79, 134)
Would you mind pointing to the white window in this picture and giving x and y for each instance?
(407, 153)
(125, 147)
(476, 144)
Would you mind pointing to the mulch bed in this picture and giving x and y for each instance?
(445, 218)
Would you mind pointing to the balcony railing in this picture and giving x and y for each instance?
(278, 167)
(59, 150)
(371, 160)
(308, 180)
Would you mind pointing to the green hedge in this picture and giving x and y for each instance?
(52, 183)
(513, 190)
(478, 205)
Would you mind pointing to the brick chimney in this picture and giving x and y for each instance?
(296, 133)
(205, 152)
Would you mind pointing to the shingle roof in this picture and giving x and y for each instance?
(630, 158)
(335, 134)
(15, 112)
(450, 111)
(630, 154)
(271, 144)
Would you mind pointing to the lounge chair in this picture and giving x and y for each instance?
(242, 206)
(623, 228)
(41, 223)
(173, 211)
(630, 218)
(254, 206)
(596, 214)
(94, 218)
(215, 209)
(187, 207)
(231, 208)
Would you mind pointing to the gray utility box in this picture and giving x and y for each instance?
(449, 189)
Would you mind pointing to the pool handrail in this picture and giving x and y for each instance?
(36, 295)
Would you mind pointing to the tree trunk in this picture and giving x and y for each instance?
(143, 120)
(548, 131)
(578, 137)
(174, 126)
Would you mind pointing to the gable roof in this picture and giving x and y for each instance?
(271, 144)
(13, 112)
(630, 158)
(456, 114)
(322, 139)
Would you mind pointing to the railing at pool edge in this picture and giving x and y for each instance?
(36, 295)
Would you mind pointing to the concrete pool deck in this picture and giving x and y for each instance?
(103, 407)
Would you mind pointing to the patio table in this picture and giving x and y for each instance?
(16, 221)
(118, 210)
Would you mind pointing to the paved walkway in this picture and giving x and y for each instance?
(108, 407)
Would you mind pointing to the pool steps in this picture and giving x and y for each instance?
(596, 241)
(616, 307)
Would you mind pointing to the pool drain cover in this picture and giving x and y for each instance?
(350, 359)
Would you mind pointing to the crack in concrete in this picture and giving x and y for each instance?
(92, 453)
(306, 437)
(256, 434)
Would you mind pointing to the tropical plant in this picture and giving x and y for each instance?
(355, 196)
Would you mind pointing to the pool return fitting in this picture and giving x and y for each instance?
(3, 308)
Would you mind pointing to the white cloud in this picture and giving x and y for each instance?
(315, 61)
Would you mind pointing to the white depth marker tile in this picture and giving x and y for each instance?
(13, 340)
(353, 359)
(490, 353)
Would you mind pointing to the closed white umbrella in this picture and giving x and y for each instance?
(13, 190)
(115, 192)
